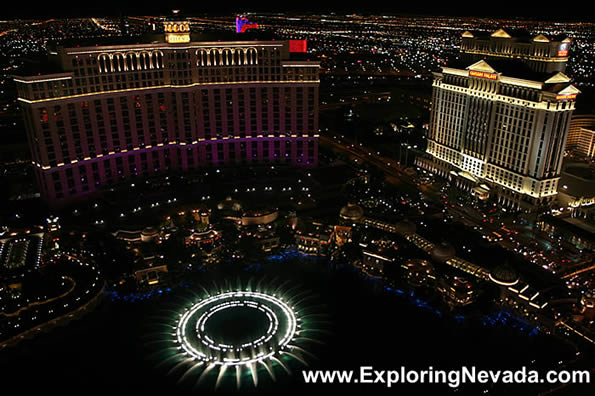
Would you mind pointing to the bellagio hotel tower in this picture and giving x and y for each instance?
(118, 112)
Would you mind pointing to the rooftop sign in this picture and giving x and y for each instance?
(489, 76)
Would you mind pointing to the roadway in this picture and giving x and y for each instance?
(514, 237)
(387, 165)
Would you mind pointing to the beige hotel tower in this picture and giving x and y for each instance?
(500, 118)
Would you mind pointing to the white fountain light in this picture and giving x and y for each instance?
(199, 351)
(192, 332)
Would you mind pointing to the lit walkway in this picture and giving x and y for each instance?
(427, 246)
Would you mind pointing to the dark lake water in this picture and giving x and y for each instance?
(111, 351)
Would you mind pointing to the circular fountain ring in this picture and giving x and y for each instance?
(195, 338)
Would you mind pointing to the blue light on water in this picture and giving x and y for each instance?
(253, 268)
(413, 300)
(507, 318)
(114, 295)
(394, 291)
(289, 254)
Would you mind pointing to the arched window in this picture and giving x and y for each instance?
(157, 57)
(118, 61)
(252, 54)
(145, 60)
(228, 56)
(202, 57)
(105, 64)
(161, 65)
(131, 61)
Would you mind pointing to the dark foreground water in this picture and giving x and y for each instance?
(111, 350)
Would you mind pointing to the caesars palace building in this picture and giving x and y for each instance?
(500, 117)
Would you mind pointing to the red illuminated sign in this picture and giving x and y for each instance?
(563, 49)
(566, 97)
(297, 46)
(489, 76)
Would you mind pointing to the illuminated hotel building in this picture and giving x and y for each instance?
(581, 135)
(117, 112)
(540, 53)
(498, 125)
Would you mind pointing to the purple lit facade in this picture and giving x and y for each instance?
(120, 112)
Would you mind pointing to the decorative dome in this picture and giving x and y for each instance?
(443, 252)
(148, 234)
(259, 216)
(230, 204)
(149, 231)
(351, 212)
(504, 275)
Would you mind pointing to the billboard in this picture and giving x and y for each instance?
(243, 24)
(297, 46)
(563, 50)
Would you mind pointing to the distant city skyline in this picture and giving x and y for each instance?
(469, 8)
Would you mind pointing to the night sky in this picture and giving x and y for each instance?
(479, 8)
